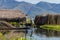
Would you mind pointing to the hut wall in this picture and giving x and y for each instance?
(48, 19)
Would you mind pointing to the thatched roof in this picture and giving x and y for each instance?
(11, 14)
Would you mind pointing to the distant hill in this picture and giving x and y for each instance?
(49, 6)
(30, 9)
(8, 4)
(24, 6)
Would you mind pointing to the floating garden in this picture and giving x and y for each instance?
(51, 27)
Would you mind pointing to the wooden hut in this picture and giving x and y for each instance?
(53, 19)
(12, 16)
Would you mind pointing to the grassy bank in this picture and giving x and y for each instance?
(51, 27)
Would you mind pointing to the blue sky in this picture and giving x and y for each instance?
(36, 1)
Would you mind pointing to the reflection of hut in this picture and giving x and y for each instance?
(12, 16)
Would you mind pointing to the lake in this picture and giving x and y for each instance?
(32, 34)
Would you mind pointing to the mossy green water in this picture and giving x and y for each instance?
(51, 27)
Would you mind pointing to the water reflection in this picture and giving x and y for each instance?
(48, 33)
(39, 34)
(33, 34)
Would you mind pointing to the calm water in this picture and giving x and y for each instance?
(33, 35)
(38, 36)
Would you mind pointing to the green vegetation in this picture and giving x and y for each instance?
(15, 24)
(28, 21)
(14, 38)
(2, 37)
(51, 27)
(21, 38)
(18, 24)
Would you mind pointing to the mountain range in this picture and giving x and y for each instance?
(30, 9)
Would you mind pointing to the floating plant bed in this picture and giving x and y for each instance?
(51, 27)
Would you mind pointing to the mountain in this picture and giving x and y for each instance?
(49, 6)
(8, 4)
(30, 9)
(36, 11)
(12, 4)
(24, 6)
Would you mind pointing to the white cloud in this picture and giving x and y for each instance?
(36, 1)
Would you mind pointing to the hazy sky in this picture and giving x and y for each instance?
(36, 1)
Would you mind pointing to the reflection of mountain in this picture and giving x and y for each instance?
(30, 9)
